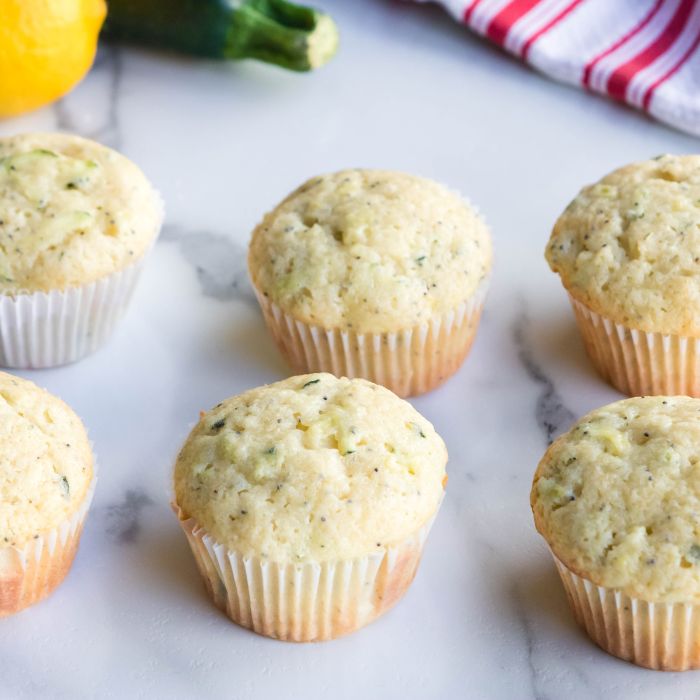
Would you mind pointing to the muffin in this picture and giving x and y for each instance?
(307, 503)
(628, 253)
(374, 274)
(46, 484)
(76, 220)
(617, 499)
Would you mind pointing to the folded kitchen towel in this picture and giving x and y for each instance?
(642, 52)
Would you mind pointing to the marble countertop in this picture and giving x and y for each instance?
(486, 616)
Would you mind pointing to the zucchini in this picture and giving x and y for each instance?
(275, 31)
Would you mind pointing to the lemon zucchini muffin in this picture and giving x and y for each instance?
(617, 499)
(374, 274)
(307, 503)
(627, 250)
(76, 220)
(46, 483)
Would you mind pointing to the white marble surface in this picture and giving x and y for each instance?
(486, 616)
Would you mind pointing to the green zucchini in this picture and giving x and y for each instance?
(275, 31)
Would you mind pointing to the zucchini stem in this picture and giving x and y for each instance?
(276, 31)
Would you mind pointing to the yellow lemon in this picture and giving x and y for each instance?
(46, 47)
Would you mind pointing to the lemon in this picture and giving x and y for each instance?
(46, 47)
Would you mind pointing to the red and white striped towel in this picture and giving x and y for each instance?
(642, 52)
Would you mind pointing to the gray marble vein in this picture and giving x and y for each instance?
(101, 90)
(124, 519)
(219, 261)
(529, 638)
(552, 415)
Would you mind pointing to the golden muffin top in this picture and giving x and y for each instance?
(46, 464)
(71, 211)
(618, 497)
(311, 468)
(370, 250)
(628, 247)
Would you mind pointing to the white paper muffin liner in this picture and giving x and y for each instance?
(29, 573)
(409, 362)
(660, 636)
(305, 602)
(48, 329)
(638, 363)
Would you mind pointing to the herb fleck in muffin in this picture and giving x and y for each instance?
(76, 218)
(46, 474)
(312, 478)
(627, 250)
(362, 264)
(616, 498)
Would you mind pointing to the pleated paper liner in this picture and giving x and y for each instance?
(638, 363)
(48, 329)
(304, 602)
(659, 636)
(29, 573)
(408, 362)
